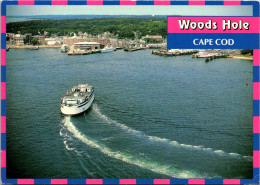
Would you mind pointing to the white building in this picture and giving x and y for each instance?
(52, 41)
(87, 45)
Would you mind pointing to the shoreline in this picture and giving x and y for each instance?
(242, 58)
(36, 47)
(31, 47)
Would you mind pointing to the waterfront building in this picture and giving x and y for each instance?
(41, 39)
(103, 42)
(18, 40)
(52, 41)
(113, 42)
(10, 38)
(157, 38)
(87, 45)
(72, 40)
(122, 43)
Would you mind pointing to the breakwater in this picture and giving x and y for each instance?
(174, 52)
(210, 56)
(30, 47)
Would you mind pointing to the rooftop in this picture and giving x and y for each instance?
(87, 43)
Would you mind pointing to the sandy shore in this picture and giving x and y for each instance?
(243, 58)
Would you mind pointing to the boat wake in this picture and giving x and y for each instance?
(66, 141)
(164, 140)
(156, 167)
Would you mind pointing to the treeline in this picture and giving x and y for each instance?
(126, 27)
(246, 51)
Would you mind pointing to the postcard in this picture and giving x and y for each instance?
(129, 92)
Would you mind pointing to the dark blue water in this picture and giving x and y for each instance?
(153, 117)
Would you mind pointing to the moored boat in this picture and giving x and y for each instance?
(77, 100)
(107, 49)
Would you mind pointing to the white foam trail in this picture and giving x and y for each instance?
(164, 140)
(67, 146)
(128, 158)
(107, 138)
(65, 141)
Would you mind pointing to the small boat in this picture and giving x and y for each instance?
(77, 100)
(107, 49)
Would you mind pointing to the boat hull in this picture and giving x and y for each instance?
(107, 50)
(74, 110)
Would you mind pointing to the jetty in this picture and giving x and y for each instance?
(23, 47)
(174, 52)
(210, 55)
(134, 48)
(73, 51)
(79, 52)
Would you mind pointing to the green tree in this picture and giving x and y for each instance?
(125, 27)
(246, 51)
(35, 41)
(27, 39)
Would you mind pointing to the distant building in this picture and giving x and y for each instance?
(41, 39)
(52, 41)
(18, 40)
(158, 38)
(102, 42)
(122, 43)
(80, 33)
(18, 35)
(113, 41)
(10, 38)
(27, 34)
(72, 40)
(87, 45)
(45, 33)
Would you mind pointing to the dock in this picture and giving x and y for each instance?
(174, 52)
(83, 52)
(24, 47)
(210, 56)
(79, 52)
(134, 49)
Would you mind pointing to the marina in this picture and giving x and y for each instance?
(179, 108)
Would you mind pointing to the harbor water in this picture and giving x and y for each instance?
(153, 117)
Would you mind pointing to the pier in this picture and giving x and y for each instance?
(23, 47)
(210, 56)
(81, 52)
(134, 49)
(174, 52)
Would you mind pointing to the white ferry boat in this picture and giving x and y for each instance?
(77, 100)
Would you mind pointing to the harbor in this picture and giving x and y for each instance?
(86, 44)
(208, 55)
(193, 108)
(143, 105)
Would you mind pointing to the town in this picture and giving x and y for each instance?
(84, 44)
